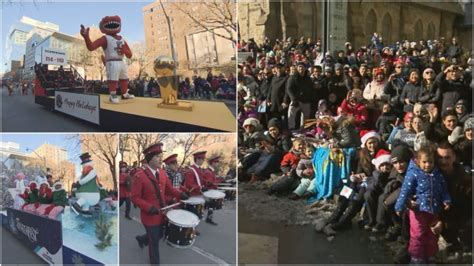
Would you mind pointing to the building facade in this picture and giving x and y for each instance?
(193, 48)
(51, 153)
(18, 36)
(392, 20)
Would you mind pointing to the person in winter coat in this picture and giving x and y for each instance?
(289, 180)
(282, 141)
(386, 217)
(276, 92)
(375, 185)
(305, 172)
(461, 111)
(425, 181)
(301, 95)
(386, 121)
(463, 147)
(410, 91)
(45, 197)
(352, 105)
(447, 130)
(452, 87)
(394, 88)
(429, 92)
(345, 134)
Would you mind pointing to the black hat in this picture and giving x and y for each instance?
(85, 158)
(401, 153)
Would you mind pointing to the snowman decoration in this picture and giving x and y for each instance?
(86, 189)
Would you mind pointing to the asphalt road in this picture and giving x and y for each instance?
(21, 114)
(13, 251)
(215, 245)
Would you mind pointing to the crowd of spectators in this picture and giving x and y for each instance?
(360, 123)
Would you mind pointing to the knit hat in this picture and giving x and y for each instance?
(469, 124)
(274, 122)
(381, 157)
(365, 135)
(251, 122)
(401, 153)
(337, 66)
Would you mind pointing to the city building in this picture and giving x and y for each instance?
(73, 47)
(18, 35)
(194, 48)
(349, 21)
(51, 153)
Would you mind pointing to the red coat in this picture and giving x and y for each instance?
(145, 196)
(290, 160)
(190, 181)
(123, 189)
(359, 112)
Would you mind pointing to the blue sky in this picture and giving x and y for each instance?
(70, 15)
(33, 141)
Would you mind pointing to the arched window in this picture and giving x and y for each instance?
(418, 30)
(387, 29)
(370, 23)
(431, 31)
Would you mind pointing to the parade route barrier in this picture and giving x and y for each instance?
(44, 237)
(142, 114)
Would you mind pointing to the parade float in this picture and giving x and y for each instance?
(55, 232)
(126, 113)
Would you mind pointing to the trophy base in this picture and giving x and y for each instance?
(181, 105)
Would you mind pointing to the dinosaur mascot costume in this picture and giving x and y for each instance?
(115, 47)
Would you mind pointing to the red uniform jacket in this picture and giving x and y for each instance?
(211, 177)
(359, 112)
(145, 196)
(123, 189)
(190, 180)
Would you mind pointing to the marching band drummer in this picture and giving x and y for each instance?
(195, 181)
(148, 193)
(210, 174)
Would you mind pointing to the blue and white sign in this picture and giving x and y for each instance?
(83, 106)
(42, 235)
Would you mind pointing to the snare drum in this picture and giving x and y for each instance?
(195, 205)
(180, 228)
(230, 192)
(214, 198)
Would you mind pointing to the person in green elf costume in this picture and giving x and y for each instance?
(59, 201)
(31, 197)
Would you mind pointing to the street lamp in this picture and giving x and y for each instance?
(39, 156)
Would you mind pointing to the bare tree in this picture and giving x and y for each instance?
(220, 15)
(142, 58)
(139, 142)
(104, 147)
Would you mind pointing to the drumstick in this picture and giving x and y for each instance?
(170, 206)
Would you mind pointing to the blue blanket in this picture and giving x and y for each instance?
(330, 168)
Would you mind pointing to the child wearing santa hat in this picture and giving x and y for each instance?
(375, 187)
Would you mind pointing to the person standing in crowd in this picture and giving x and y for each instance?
(300, 92)
(276, 93)
(148, 193)
(125, 188)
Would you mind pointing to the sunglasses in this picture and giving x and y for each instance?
(429, 72)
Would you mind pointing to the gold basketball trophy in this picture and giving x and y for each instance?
(164, 67)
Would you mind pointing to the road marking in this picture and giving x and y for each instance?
(200, 251)
(208, 255)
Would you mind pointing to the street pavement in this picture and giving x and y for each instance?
(215, 245)
(14, 252)
(21, 114)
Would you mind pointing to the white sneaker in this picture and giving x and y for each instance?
(114, 99)
(128, 96)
